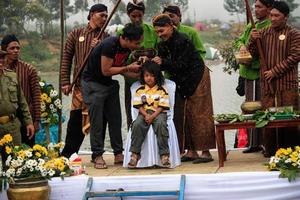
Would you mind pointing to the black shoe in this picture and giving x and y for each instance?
(187, 159)
(252, 149)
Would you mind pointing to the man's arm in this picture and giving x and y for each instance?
(36, 97)
(109, 70)
(68, 54)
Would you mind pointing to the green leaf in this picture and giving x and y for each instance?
(262, 123)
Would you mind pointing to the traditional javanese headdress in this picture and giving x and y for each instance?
(161, 20)
(267, 3)
(135, 5)
(97, 8)
(282, 7)
(8, 39)
(172, 9)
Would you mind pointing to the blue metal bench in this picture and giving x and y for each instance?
(122, 193)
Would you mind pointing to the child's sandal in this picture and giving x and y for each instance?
(134, 158)
(165, 161)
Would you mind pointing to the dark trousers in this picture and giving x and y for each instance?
(25, 139)
(103, 103)
(140, 129)
(75, 135)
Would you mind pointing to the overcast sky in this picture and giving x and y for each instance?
(198, 9)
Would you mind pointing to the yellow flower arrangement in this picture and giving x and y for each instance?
(50, 104)
(287, 161)
(36, 162)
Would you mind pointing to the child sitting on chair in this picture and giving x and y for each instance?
(152, 100)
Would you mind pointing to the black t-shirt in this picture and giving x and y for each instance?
(111, 48)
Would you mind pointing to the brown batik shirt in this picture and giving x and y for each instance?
(76, 48)
(29, 82)
(281, 49)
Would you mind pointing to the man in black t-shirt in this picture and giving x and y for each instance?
(101, 92)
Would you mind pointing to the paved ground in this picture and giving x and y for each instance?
(236, 162)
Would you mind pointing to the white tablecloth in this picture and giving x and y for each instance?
(231, 186)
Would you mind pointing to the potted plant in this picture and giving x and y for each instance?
(27, 170)
(287, 161)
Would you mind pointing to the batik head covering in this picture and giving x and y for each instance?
(172, 9)
(161, 20)
(267, 3)
(135, 5)
(282, 7)
(8, 39)
(97, 8)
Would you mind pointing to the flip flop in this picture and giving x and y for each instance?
(100, 163)
(187, 159)
(202, 160)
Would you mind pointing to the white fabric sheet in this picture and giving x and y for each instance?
(225, 186)
(149, 153)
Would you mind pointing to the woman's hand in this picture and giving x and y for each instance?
(157, 60)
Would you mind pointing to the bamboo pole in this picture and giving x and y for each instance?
(98, 37)
(262, 60)
(62, 35)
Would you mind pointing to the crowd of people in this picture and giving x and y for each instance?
(180, 57)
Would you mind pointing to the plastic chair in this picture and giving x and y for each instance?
(149, 154)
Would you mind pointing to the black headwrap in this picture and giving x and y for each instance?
(267, 3)
(8, 39)
(97, 8)
(161, 20)
(172, 9)
(282, 7)
(135, 5)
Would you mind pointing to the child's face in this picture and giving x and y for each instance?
(149, 79)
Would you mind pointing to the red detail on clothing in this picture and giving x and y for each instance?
(120, 59)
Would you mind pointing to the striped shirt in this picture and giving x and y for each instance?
(151, 98)
(282, 53)
(29, 82)
(77, 46)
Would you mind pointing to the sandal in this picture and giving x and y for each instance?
(100, 163)
(165, 161)
(203, 160)
(134, 158)
(119, 159)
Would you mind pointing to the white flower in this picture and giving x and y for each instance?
(7, 161)
(28, 154)
(288, 160)
(54, 110)
(276, 160)
(51, 172)
(51, 106)
(42, 84)
(57, 102)
(53, 93)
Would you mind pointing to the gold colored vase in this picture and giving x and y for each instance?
(28, 190)
(250, 107)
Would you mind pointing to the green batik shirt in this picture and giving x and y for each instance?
(250, 72)
(150, 41)
(193, 35)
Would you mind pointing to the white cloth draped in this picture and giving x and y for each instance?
(225, 186)
(149, 153)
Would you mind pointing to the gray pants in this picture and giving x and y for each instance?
(140, 129)
(103, 101)
(254, 135)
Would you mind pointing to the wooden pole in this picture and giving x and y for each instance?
(262, 60)
(98, 37)
(62, 35)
